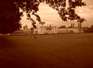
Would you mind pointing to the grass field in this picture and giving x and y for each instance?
(47, 51)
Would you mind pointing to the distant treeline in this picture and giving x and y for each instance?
(88, 29)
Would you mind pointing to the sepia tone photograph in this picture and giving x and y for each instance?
(46, 34)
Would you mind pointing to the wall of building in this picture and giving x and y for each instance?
(47, 30)
(70, 30)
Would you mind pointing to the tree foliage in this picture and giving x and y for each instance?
(63, 26)
(88, 29)
(10, 14)
(9, 17)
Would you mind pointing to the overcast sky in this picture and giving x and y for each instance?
(50, 16)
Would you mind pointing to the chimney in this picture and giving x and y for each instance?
(72, 25)
(79, 25)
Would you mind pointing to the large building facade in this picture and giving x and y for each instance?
(41, 29)
(46, 30)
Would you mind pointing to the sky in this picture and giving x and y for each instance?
(51, 17)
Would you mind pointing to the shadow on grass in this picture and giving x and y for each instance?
(5, 43)
(66, 51)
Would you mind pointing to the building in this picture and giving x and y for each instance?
(41, 29)
(25, 27)
(62, 30)
(71, 29)
(26, 30)
(46, 30)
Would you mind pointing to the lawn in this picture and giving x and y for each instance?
(47, 51)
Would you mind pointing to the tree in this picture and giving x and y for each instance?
(86, 29)
(91, 29)
(10, 14)
(62, 26)
(9, 17)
